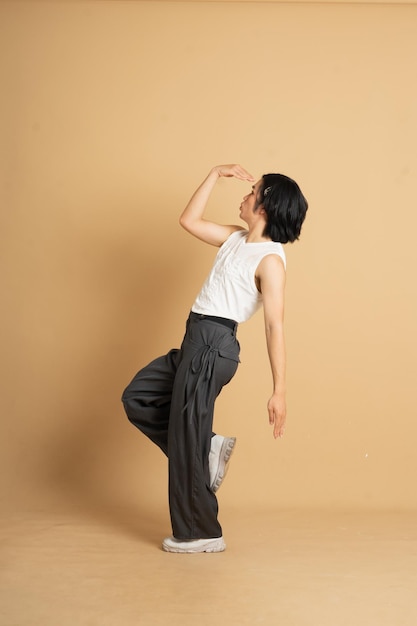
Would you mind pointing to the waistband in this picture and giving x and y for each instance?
(213, 318)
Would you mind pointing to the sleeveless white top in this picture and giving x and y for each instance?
(230, 290)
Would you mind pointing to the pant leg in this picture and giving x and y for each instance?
(210, 356)
(147, 398)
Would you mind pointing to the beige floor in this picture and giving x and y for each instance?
(286, 568)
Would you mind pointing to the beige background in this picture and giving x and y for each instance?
(112, 114)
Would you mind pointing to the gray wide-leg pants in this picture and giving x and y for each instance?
(171, 401)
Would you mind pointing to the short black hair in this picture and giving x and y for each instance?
(285, 207)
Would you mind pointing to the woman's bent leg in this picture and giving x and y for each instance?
(147, 398)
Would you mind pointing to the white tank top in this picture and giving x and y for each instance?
(230, 290)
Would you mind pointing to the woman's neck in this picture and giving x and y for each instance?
(255, 235)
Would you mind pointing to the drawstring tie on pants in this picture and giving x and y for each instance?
(203, 363)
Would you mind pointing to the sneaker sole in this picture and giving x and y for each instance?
(213, 546)
(225, 454)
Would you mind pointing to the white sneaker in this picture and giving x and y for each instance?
(220, 452)
(170, 544)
